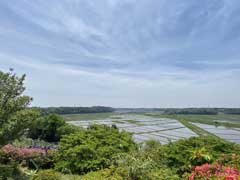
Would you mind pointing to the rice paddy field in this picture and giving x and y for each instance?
(164, 128)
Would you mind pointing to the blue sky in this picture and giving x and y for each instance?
(124, 53)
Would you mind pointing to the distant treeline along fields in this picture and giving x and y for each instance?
(102, 109)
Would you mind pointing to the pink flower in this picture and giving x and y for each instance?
(208, 171)
(23, 153)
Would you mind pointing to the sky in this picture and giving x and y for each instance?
(124, 53)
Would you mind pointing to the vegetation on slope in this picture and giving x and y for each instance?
(99, 152)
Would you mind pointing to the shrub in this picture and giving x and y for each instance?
(67, 129)
(92, 149)
(11, 172)
(232, 160)
(184, 154)
(6, 171)
(30, 157)
(141, 166)
(215, 171)
(109, 174)
(46, 127)
(22, 153)
(47, 175)
(4, 157)
(28, 142)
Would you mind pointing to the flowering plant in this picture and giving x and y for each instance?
(31, 157)
(17, 153)
(215, 171)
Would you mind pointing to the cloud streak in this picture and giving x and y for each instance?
(115, 48)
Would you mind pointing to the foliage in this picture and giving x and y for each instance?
(47, 175)
(142, 166)
(11, 172)
(6, 171)
(92, 149)
(46, 128)
(67, 129)
(28, 142)
(214, 171)
(232, 160)
(185, 154)
(109, 174)
(200, 156)
(105, 174)
(147, 163)
(30, 157)
(14, 115)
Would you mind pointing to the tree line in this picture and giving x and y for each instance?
(76, 110)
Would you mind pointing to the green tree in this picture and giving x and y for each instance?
(14, 114)
(92, 149)
(47, 128)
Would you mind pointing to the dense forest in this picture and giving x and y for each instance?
(42, 146)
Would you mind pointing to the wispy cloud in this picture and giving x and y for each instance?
(118, 47)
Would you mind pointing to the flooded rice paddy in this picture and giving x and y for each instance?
(229, 134)
(144, 128)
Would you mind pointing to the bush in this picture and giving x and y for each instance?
(67, 129)
(31, 157)
(47, 175)
(46, 127)
(6, 171)
(28, 142)
(92, 149)
(141, 166)
(215, 171)
(177, 158)
(11, 172)
(184, 154)
(4, 157)
(104, 174)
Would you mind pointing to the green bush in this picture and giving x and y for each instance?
(41, 162)
(46, 127)
(47, 175)
(11, 172)
(92, 149)
(28, 142)
(67, 129)
(141, 166)
(175, 159)
(4, 157)
(184, 154)
(105, 174)
(6, 171)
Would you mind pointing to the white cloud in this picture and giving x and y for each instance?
(124, 53)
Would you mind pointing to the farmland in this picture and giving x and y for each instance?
(165, 128)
